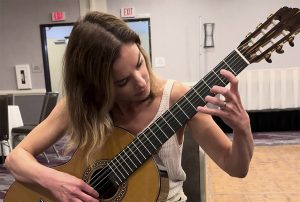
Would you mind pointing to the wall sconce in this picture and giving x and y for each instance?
(209, 35)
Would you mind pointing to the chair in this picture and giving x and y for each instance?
(49, 102)
(4, 133)
(191, 165)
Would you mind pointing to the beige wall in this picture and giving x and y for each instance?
(177, 32)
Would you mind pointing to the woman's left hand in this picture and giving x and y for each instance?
(230, 110)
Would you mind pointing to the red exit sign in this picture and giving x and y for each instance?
(127, 12)
(58, 16)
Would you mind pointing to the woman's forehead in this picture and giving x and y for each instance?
(128, 54)
(128, 58)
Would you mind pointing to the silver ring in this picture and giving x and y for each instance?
(224, 105)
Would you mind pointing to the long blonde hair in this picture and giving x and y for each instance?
(93, 47)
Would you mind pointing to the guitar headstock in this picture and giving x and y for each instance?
(270, 36)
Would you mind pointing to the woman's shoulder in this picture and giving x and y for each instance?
(60, 112)
(178, 90)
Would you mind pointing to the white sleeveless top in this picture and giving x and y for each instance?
(169, 155)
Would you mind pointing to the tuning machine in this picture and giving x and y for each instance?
(258, 25)
(291, 41)
(268, 58)
(248, 34)
(271, 15)
(279, 49)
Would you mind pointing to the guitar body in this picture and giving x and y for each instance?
(145, 184)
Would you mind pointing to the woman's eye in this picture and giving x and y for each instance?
(140, 64)
(122, 82)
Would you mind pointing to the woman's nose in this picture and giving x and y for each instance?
(139, 80)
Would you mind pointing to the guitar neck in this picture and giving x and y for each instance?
(152, 138)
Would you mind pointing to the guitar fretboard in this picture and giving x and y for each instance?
(152, 138)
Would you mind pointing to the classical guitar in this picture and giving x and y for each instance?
(124, 170)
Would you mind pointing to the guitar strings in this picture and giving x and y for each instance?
(106, 174)
(126, 158)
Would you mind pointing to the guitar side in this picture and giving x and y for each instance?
(146, 184)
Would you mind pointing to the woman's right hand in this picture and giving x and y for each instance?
(66, 188)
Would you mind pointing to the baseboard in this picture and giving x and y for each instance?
(269, 120)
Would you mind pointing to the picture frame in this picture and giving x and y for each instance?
(23, 76)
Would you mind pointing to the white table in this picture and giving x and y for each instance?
(14, 120)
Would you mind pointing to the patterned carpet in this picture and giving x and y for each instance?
(267, 138)
(6, 178)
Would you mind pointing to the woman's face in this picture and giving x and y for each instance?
(130, 75)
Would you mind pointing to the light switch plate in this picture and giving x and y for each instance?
(160, 62)
(23, 76)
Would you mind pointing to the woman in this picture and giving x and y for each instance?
(109, 82)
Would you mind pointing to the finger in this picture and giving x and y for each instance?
(89, 190)
(87, 198)
(210, 111)
(214, 101)
(221, 90)
(231, 78)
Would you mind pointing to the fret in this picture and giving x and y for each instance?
(241, 55)
(114, 172)
(168, 124)
(230, 68)
(195, 100)
(150, 141)
(155, 136)
(186, 107)
(135, 155)
(190, 103)
(182, 111)
(165, 126)
(126, 164)
(122, 166)
(170, 117)
(198, 95)
(139, 150)
(143, 145)
(240, 65)
(219, 78)
(203, 91)
(161, 130)
(130, 159)
(174, 117)
(215, 81)
(117, 168)
(206, 84)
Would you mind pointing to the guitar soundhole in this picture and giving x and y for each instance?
(105, 187)
(98, 177)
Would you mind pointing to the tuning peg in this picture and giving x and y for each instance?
(279, 49)
(248, 34)
(258, 25)
(270, 16)
(291, 41)
(268, 58)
